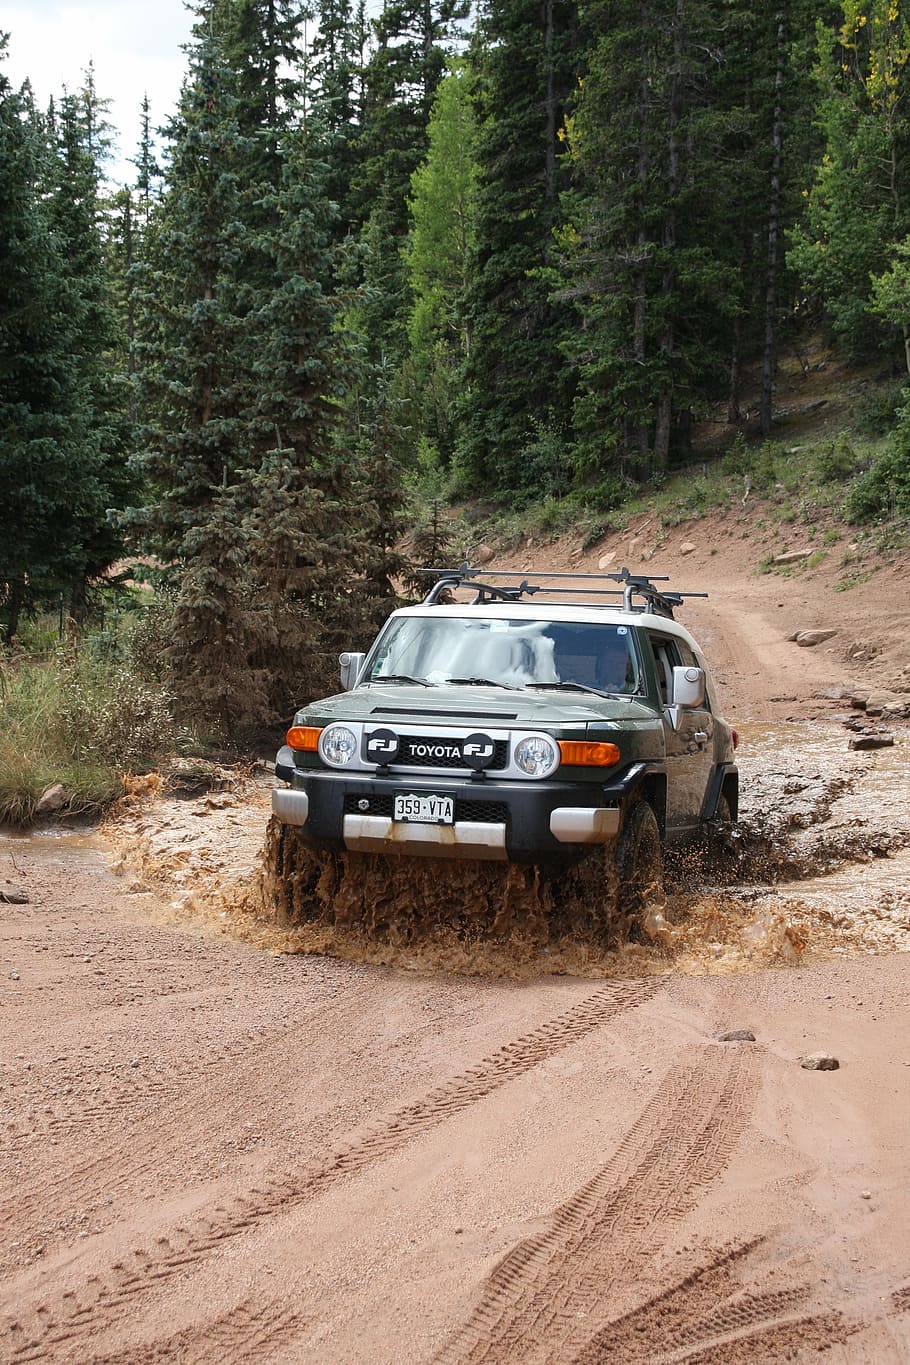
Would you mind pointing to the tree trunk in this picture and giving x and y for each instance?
(777, 137)
(664, 407)
(734, 414)
(639, 308)
(551, 103)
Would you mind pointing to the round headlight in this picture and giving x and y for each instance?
(338, 745)
(537, 756)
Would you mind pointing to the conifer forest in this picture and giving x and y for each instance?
(515, 251)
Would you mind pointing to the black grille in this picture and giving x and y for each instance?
(408, 760)
(482, 812)
(375, 805)
(472, 812)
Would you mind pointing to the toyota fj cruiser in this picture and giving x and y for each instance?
(511, 728)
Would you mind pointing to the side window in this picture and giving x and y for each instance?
(666, 658)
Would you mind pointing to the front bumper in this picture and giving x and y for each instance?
(524, 822)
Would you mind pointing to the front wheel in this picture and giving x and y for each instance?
(640, 896)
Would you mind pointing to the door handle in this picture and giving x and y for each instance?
(700, 738)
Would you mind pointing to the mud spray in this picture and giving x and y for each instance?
(818, 866)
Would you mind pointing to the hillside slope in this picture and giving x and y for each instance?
(752, 609)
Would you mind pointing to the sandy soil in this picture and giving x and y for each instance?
(219, 1146)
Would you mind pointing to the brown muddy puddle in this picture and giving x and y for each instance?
(819, 866)
(58, 846)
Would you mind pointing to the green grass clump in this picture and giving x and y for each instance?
(79, 721)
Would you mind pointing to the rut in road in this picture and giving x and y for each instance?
(550, 1295)
(39, 1334)
(128, 1150)
(239, 1337)
(707, 1316)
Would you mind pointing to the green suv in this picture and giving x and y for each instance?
(529, 724)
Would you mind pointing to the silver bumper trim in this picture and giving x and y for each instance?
(464, 839)
(584, 824)
(289, 806)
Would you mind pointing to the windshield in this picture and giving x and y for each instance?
(505, 653)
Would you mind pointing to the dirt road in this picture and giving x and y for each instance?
(214, 1151)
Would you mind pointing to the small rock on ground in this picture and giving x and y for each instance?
(871, 741)
(737, 1035)
(791, 556)
(51, 800)
(13, 895)
(820, 1061)
(807, 639)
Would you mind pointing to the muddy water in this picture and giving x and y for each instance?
(57, 847)
(819, 865)
(816, 866)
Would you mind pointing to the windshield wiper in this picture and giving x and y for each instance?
(571, 687)
(401, 678)
(480, 682)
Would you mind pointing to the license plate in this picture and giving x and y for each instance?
(425, 809)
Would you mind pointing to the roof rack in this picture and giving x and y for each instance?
(660, 601)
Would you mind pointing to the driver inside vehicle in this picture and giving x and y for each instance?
(597, 657)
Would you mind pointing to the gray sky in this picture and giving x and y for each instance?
(135, 46)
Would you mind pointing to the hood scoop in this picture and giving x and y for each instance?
(452, 715)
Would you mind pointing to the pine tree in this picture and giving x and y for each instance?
(439, 251)
(644, 268)
(335, 96)
(414, 39)
(517, 390)
(858, 207)
(187, 293)
(257, 498)
(33, 372)
(78, 216)
(63, 435)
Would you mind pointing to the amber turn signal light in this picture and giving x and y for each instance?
(582, 753)
(305, 737)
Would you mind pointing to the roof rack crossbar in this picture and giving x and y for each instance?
(658, 600)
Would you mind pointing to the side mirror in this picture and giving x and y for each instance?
(351, 665)
(688, 687)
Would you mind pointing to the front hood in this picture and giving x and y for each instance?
(460, 706)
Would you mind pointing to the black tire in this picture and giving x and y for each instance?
(639, 867)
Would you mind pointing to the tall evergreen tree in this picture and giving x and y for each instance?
(438, 255)
(189, 310)
(62, 435)
(859, 205)
(649, 261)
(335, 96)
(517, 391)
(412, 41)
(97, 450)
(255, 498)
(33, 373)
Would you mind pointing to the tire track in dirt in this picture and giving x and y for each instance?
(900, 1299)
(37, 1334)
(706, 1316)
(783, 1340)
(126, 1154)
(545, 1301)
(242, 1336)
